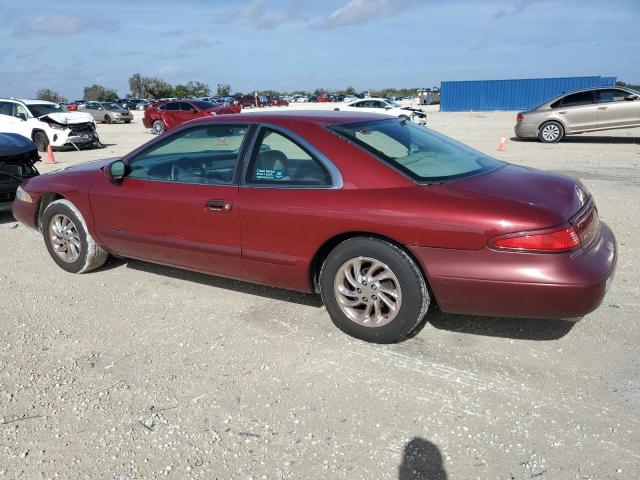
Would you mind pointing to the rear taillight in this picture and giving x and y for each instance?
(554, 241)
(520, 117)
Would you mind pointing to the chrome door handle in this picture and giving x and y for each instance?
(602, 108)
(562, 113)
(219, 205)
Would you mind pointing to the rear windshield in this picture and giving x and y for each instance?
(420, 153)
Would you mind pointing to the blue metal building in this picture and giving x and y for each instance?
(520, 94)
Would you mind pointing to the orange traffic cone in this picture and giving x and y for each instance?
(503, 145)
(50, 158)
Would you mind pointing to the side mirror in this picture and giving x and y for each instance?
(631, 96)
(115, 171)
(22, 116)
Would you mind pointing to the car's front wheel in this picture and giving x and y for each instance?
(41, 140)
(551, 132)
(68, 241)
(373, 290)
(158, 127)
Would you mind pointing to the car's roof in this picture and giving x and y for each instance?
(317, 117)
(28, 101)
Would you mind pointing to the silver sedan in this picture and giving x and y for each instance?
(107, 112)
(603, 108)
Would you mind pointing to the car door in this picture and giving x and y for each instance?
(11, 122)
(170, 114)
(577, 111)
(286, 180)
(616, 109)
(177, 202)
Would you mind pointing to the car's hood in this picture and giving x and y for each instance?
(551, 191)
(92, 165)
(66, 118)
(14, 144)
(118, 110)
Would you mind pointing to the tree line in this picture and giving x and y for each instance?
(156, 87)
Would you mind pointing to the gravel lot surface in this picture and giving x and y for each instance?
(140, 371)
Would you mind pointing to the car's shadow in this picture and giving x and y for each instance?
(6, 217)
(516, 328)
(577, 139)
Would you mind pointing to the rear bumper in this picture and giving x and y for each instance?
(526, 130)
(508, 284)
(146, 122)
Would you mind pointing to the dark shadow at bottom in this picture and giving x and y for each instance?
(422, 460)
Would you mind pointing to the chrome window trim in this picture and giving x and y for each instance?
(334, 173)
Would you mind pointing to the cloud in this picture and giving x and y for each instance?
(257, 15)
(359, 12)
(196, 44)
(56, 25)
(518, 8)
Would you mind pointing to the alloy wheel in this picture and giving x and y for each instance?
(368, 292)
(65, 238)
(551, 132)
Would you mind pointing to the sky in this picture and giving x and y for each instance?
(288, 45)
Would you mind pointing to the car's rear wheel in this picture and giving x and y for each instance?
(41, 140)
(67, 239)
(107, 119)
(373, 290)
(158, 126)
(551, 132)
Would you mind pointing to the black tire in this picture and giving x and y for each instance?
(106, 119)
(158, 127)
(41, 140)
(91, 255)
(415, 299)
(127, 121)
(551, 132)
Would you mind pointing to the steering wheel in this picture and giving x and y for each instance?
(176, 168)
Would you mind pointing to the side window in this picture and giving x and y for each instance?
(171, 106)
(359, 104)
(21, 110)
(205, 154)
(278, 160)
(577, 99)
(186, 107)
(6, 108)
(613, 95)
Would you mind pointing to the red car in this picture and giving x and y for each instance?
(384, 218)
(323, 98)
(279, 102)
(161, 116)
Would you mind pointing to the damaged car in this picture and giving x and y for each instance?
(385, 106)
(18, 157)
(47, 123)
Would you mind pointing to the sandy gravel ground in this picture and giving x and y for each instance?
(140, 371)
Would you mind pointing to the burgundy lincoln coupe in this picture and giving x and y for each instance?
(385, 218)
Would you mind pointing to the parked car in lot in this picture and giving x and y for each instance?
(108, 112)
(18, 157)
(47, 123)
(604, 108)
(72, 107)
(279, 102)
(383, 217)
(388, 107)
(163, 116)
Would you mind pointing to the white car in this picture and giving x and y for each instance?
(47, 123)
(388, 107)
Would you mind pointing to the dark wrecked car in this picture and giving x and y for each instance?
(18, 157)
(47, 123)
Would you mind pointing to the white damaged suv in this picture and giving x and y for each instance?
(47, 123)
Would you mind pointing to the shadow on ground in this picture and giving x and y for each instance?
(6, 218)
(577, 139)
(516, 328)
(421, 460)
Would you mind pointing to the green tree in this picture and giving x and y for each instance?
(135, 85)
(99, 93)
(320, 91)
(198, 89)
(49, 95)
(154, 87)
(223, 90)
(350, 91)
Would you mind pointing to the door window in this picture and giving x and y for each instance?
(170, 106)
(205, 154)
(6, 108)
(577, 99)
(21, 110)
(186, 107)
(278, 160)
(612, 95)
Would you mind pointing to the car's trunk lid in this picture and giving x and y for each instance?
(551, 191)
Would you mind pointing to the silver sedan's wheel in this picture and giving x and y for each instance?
(158, 127)
(368, 292)
(551, 132)
(65, 238)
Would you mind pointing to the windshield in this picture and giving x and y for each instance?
(111, 106)
(40, 109)
(420, 153)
